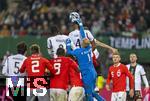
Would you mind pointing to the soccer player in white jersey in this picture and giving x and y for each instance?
(12, 66)
(55, 42)
(13, 63)
(137, 71)
(76, 37)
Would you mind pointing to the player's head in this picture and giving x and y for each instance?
(54, 30)
(35, 49)
(61, 52)
(116, 57)
(72, 17)
(85, 42)
(21, 48)
(133, 57)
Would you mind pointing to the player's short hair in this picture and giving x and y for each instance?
(54, 30)
(35, 48)
(61, 52)
(116, 53)
(21, 47)
(133, 54)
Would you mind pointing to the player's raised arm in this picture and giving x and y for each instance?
(114, 50)
(85, 40)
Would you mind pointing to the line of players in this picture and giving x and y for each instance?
(34, 64)
(55, 45)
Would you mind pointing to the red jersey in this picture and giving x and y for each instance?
(64, 66)
(118, 76)
(95, 63)
(35, 65)
(75, 75)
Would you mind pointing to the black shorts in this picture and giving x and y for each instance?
(137, 95)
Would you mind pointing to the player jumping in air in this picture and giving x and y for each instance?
(83, 56)
(56, 41)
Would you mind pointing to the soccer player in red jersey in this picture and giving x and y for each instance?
(118, 73)
(77, 91)
(35, 66)
(67, 73)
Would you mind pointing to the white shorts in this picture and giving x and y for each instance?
(76, 94)
(42, 95)
(118, 96)
(58, 94)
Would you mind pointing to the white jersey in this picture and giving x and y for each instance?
(55, 42)
(139, 71)
(75, 37)
(13, 64)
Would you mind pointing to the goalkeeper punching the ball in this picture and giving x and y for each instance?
(84, 58)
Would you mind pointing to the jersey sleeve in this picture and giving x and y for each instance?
(50, 67)
(83, 35)
(68, 47)
(49, 43)
(142, 71)
(89, 35)
(5, 67)
(49, 46)
(109, 77)
(23, 67)
(143, 74)
(131, 79)
(74, 65)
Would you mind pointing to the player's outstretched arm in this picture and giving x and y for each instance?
(79, 22)
(85, 40)
(68, 47)
(114, 50)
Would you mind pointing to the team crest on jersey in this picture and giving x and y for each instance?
(118, 73)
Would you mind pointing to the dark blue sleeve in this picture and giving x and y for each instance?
(68, 47)
(82, 32)
(70, 51)
(83, 35)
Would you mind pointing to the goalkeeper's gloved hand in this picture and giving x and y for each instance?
(79, 22)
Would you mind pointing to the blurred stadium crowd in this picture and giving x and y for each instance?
(102, 17)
